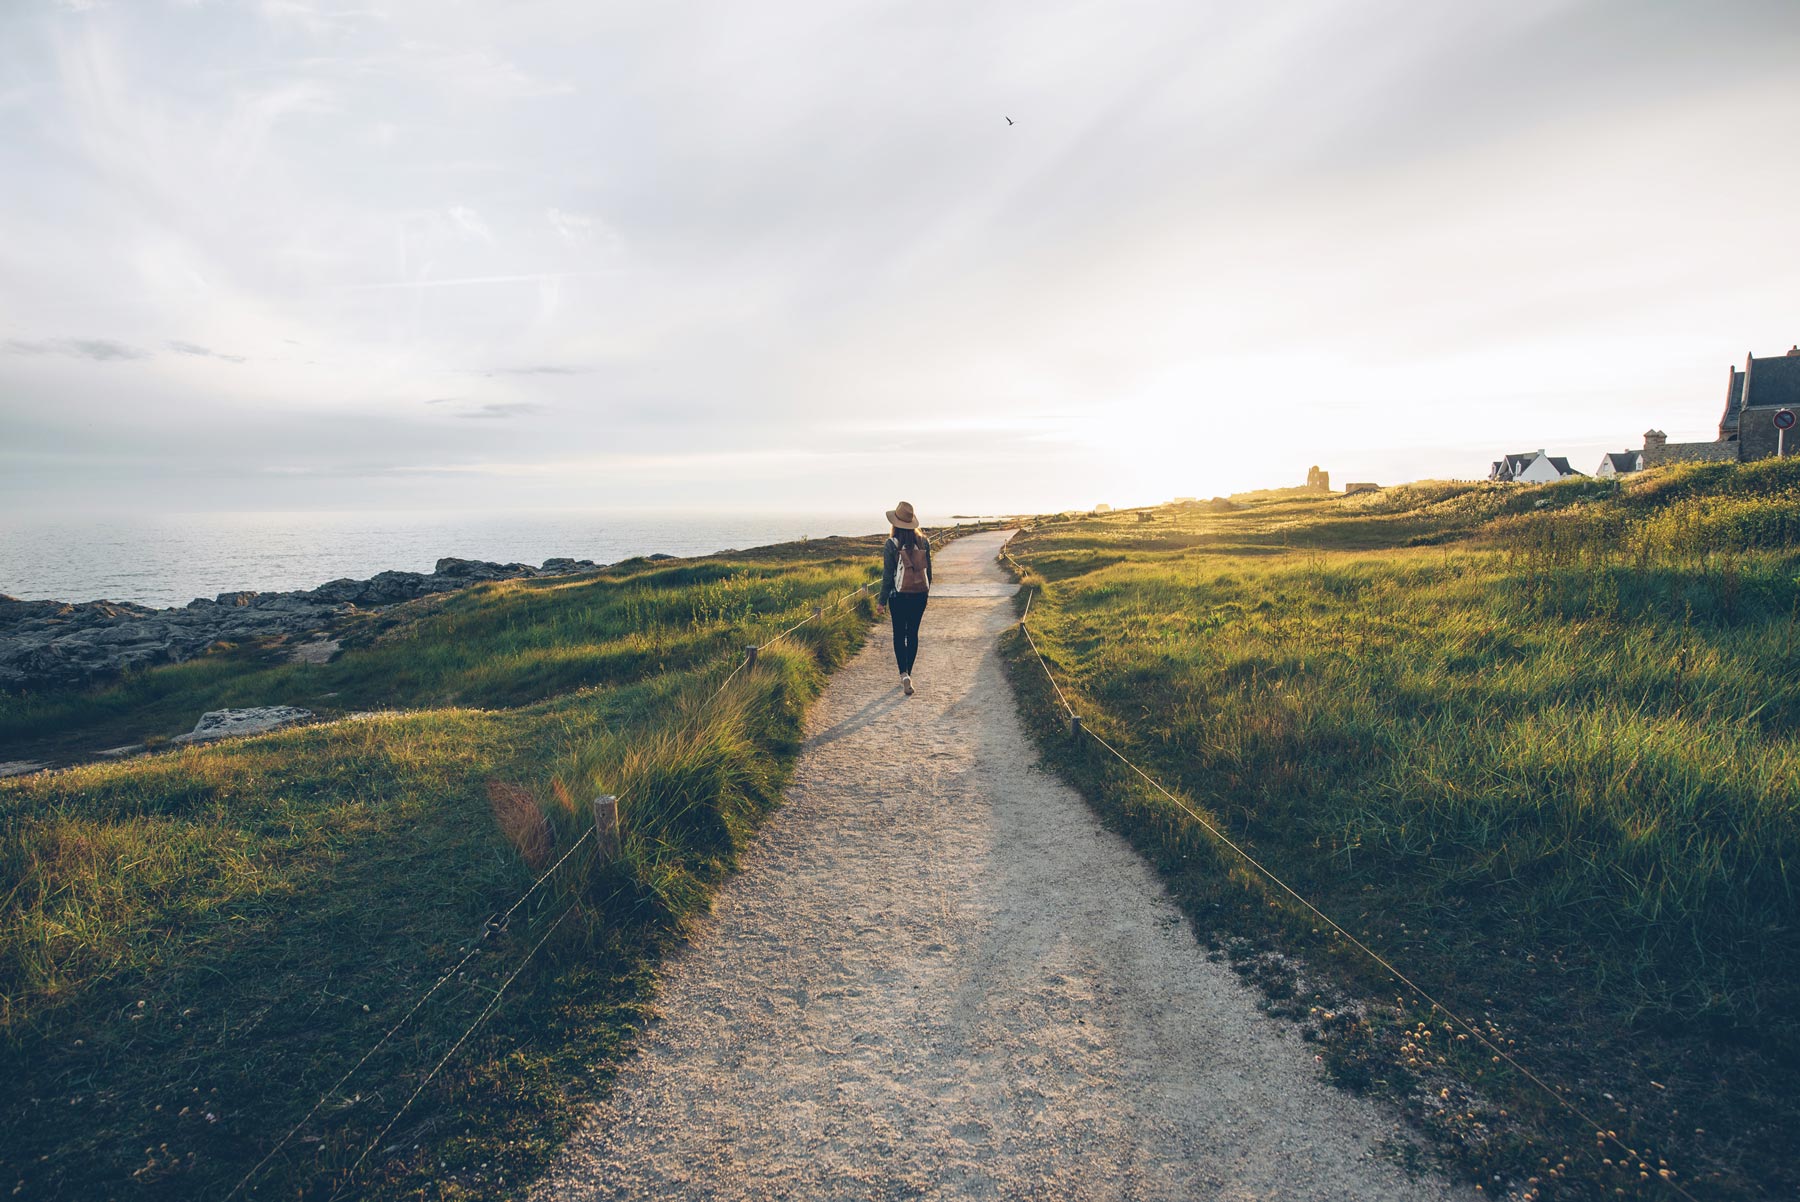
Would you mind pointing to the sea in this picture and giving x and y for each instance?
(169, 560)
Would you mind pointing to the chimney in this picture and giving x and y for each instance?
(1794, 351)
(1655, 440)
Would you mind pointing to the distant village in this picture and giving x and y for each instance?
(1762, 402)
(1760, 405)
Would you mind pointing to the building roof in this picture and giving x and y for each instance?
(1772, 383)
(1511, 467)
(1622, 461)
(1515, 464)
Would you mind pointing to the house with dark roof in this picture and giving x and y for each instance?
(1618, 463)
(1753, 397)
(1531, 467)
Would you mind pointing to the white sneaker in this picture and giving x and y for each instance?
(906, 683)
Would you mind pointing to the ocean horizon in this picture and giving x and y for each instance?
(168, 560)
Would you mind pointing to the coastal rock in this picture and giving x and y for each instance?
(567, 567)
(318, 651)
(475, 569)
(334, 592)
(225, 724)
(60, 643)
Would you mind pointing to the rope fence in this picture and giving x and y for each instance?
(1076, 729)
(480, 941)
(492, 925)
(493, 1003)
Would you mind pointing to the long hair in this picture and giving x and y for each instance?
(906, 538)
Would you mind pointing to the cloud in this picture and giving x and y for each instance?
(194, 348)
(475, 72)
(502, 409)
(538, 277)
(1204, 216)
(466, 220)
(574, 228)
(315, 20)
(100, 350)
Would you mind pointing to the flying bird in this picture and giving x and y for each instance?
(1009, 120)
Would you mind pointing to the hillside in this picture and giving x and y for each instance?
(196, 946)
(1536, 745)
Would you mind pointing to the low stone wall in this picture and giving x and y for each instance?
(1690, 452)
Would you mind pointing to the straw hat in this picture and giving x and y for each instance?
(902, 516)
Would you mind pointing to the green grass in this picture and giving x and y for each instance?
(195, 946)
(1535, 743)
(493, 645)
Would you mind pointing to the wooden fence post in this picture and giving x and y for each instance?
(818, 612)
(750, 656)
(606, 827)
(1074, 726)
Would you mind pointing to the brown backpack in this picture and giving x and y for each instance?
(910, 575)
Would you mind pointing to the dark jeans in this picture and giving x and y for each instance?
(906, 609)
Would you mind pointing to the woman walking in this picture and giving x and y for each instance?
(905, 584)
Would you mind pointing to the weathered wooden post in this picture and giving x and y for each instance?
(606, 828)
(818, 612)
(1074, 726)
(750, 656)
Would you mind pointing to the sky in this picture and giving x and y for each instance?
(287, 255)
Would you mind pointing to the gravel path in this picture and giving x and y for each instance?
(939, 977)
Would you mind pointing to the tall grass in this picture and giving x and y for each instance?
(195, 946)
(502, 644)
(1551, 764)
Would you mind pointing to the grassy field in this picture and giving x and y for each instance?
(1535, 744)
(195, 946)
(514, 643)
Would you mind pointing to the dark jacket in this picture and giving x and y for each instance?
(890, 560)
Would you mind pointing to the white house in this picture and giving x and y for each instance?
(1532, 467)
(1617, 463)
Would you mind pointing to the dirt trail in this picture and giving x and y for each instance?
(939, 977)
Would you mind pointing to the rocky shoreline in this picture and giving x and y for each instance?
(58, 643)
